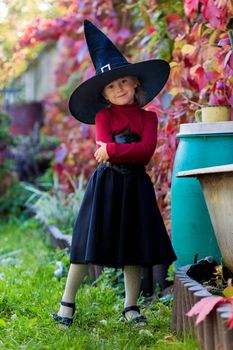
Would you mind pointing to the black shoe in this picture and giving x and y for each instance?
(139, 320)
(66, 321)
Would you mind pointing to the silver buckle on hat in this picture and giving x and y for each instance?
(106, 67)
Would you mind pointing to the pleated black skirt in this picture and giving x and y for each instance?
(119, 222)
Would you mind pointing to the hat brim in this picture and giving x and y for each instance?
(86, 100)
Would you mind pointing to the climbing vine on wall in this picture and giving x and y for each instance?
(193, 35)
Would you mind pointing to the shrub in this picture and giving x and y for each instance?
(54, 206)
(12, 195)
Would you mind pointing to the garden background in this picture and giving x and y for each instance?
(47, 169)
(192, 35)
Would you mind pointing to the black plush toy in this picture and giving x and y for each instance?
(203, 270)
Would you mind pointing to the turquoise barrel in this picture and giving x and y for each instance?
(200, 145)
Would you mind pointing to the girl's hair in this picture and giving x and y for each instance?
(140, 95)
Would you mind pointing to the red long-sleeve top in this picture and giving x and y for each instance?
(114, 120)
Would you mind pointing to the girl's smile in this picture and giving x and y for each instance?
(121, 91)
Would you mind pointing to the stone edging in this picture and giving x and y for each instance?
(213, 332)
(58, 239)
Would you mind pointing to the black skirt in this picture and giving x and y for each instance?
(119, 222)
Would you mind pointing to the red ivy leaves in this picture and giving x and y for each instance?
(216, 12)
(43, 30)
(190, 7)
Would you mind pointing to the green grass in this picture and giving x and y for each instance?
(29, 292)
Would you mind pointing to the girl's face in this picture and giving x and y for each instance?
(121, 91)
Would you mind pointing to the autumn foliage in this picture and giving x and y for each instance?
(204, 307)
(192, 35)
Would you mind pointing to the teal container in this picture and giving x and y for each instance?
(201, 145)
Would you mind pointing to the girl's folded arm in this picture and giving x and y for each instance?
(136, 152)
(103, 127)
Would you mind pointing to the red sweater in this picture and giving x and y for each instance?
(114, 120)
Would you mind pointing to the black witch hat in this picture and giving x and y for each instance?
(110, 64)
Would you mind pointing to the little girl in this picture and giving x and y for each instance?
(119, 223)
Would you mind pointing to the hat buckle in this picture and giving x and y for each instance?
(105, 68)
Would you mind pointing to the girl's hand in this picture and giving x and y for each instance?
(101, 154)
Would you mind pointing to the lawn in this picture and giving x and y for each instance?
(30, 291)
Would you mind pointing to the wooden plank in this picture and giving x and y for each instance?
(209, 170)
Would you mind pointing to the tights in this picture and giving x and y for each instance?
(76, 274)
(132, 280)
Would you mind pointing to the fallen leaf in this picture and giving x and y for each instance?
(169, 337)
(203, 307)
(230, 321)
(228, 292)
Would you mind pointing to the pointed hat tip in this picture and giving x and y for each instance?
(89, 27)
(87, 23)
